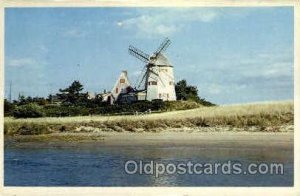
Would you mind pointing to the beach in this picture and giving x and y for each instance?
(223, 139)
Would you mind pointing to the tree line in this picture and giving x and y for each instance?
(72, 101)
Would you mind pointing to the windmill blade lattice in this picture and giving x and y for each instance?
(143, 78)
(138, 54)
(163, 46)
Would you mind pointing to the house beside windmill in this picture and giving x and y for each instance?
(90, 95)
(107, 97)
(122, 86)
(123, 92)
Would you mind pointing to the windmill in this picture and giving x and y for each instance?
(157, 76)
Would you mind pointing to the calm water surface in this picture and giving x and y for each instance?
(96, 164)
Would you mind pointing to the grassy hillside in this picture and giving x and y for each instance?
(262, 117)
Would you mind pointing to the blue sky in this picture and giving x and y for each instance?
(233, 55)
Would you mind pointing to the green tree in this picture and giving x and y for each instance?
(188, 92)
(71, 94)
(22, 100)
(31, 110)
(40, 100)
(8, 107)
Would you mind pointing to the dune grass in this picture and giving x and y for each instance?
(261, 115)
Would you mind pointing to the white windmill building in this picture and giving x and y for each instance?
(158, 77)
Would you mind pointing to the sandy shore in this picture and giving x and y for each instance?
(199, 139)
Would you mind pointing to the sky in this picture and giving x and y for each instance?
(232, 55)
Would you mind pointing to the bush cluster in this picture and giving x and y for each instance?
(33, 110)
(62, 111)
(30, 110)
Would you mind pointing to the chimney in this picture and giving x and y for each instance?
(125, 72)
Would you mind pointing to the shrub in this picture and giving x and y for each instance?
(30, 110)
(8, 108)
(204, 102)
(158, 104)
(61, 111)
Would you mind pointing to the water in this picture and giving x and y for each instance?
(97, 164)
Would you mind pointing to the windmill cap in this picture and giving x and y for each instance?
(125, 72)
(161, 59)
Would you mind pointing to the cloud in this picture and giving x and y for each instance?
(217, 89)
(263, 64)
(166, 22)
(269, 65)
(243, 77)
(73, 33)
(166, 30)
(21, 62)
(120, 24)
(277, 69)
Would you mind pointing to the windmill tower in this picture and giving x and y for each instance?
(157, 75)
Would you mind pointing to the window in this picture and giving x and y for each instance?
(122, 80)
(159, 95)
(171, 83)
(152, 83)
(117, 90)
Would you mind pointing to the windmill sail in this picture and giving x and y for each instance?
(138, 54)
(163, 46)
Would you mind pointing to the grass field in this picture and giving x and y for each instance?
(262, 116)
